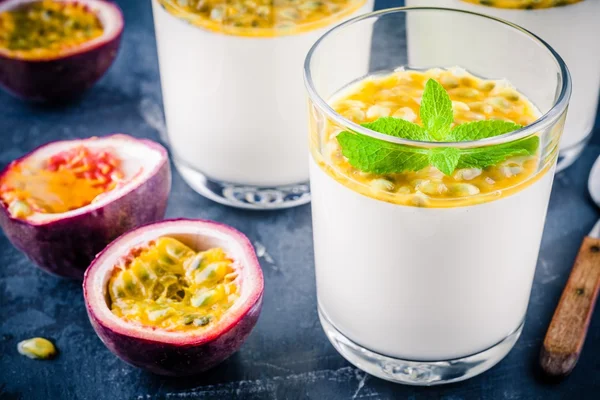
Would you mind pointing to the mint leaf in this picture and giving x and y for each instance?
(492, 155)
(478, 130)
(444, 158)
(397, 127)
(436, 110)
(379, 157)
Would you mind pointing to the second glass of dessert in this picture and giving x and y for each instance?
(571, 27)
(231, 74)
(430, 186)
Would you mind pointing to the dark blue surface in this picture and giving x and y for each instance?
(287, 356)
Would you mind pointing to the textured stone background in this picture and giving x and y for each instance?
(287, 356)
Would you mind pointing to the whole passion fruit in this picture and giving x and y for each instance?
(64, 202)
(53, 50)
(176, 297)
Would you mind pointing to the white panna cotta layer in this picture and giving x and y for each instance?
(236, 106)
(425, 284)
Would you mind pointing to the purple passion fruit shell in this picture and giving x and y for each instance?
(176, 353)
(65, 243)
(68, 74)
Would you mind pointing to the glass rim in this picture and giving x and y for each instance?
(544, 122)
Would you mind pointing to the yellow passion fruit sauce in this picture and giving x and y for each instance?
(65, 182)
(169, 286)
(37, 348)
(47, 28)
(398, 95)
(524, 4)
(261, 17)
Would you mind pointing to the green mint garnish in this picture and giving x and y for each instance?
(380, 157)
(436, 111)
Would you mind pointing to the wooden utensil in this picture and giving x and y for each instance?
(566, 334)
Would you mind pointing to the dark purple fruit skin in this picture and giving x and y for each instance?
(66, 247)
(178, 360)
(60, 79)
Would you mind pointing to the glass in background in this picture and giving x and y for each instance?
(572, 29)
(234, 101)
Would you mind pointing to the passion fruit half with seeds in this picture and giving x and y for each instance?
(64, 202)
(175, 297)
(54, 50)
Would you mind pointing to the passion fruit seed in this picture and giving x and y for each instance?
(197, 320)
(179, 289)
(382, 184)
(195, 262)
(37, 348)
(405, 113)
(467, 174)
(213, 272)
(177, 250)
(47, 27)
(209, 297)
(157, 315)
(464, 189)
(203, 321)
(20, 209)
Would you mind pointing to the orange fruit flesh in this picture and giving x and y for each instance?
(47, 28)
(66, 181)
(169, 286)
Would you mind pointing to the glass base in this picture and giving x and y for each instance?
(419, 373)
(568, 156)
(245, 196)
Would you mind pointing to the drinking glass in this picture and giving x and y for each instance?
(428, 295)
(234, 100)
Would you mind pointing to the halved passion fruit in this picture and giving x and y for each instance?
(56, 49)
(176, 297)
(64, 202)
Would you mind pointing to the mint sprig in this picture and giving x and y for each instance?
(380, 157)
(436, 111)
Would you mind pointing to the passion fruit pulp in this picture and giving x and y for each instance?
(54, 50)
(175, 297)
(64, 202)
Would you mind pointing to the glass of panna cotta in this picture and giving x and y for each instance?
(430, 184)
(235, 105)
(571, 27)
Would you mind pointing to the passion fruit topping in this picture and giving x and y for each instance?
(37, 348)
(54, 50)
(66, 181)
(261, 17)
(169, 286)
(64, 202)
(47, 28)
(176, 297)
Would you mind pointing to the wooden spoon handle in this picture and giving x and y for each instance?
(571, 319)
